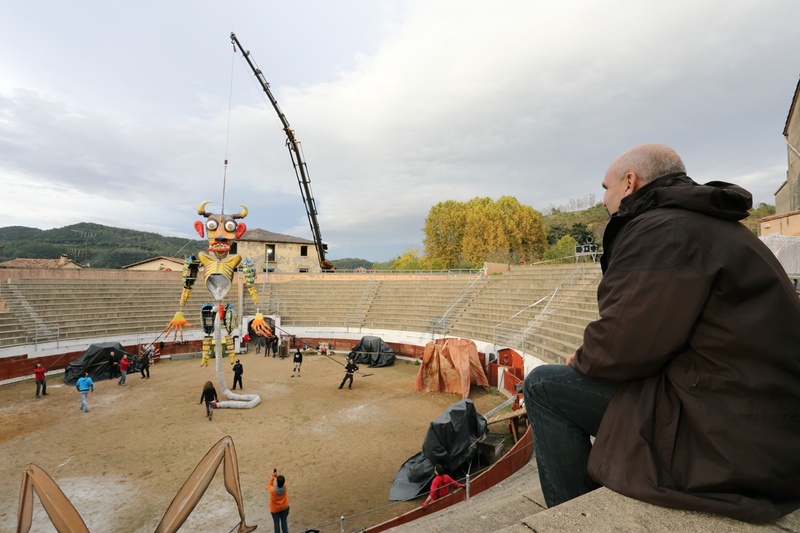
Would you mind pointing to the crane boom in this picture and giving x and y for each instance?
(296, 153)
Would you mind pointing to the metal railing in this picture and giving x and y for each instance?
(439, 325)
(515, 337)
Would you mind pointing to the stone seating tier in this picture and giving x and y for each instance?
(90, 308)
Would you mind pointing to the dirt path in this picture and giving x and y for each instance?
(123, 462)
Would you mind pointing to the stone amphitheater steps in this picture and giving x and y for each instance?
(472, 307)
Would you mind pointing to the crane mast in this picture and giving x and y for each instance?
(296, 153)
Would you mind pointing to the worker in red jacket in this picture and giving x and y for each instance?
(41, 381)
(440, 486)
(124, 364)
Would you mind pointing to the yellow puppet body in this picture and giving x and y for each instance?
(218, 269)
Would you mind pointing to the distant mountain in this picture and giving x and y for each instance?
(101, 246)
(94, 245)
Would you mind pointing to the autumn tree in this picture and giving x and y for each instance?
(444, 231)
(524, 230)
(468, 234)
(484, 236)
(412, 260)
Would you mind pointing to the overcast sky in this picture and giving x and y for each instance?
(123, 113)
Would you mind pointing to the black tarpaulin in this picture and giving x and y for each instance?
(95, 361)
(373, 352)
(449, 442)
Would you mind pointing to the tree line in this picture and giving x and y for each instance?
(464, 235)
(457, 235)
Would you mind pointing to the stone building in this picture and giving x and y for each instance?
(62, 262)
(786, 220)
(283, 254)
(157, 263)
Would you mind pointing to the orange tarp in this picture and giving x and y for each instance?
(450, 365)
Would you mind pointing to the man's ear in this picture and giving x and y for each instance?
(632, 183)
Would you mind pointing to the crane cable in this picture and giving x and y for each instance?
(228, 133)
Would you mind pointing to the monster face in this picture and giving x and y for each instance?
(221, 229)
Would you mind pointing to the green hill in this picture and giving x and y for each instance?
(92, 244)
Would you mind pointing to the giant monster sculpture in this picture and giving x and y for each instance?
(218, 269)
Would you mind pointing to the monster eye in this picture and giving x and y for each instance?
(230, 225)
(211, 225)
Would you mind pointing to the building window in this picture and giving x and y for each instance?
(304, 251)
(304, 271)
(269, 253)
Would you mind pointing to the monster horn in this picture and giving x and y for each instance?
(242, 213)
(201, 209)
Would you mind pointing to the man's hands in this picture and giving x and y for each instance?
(570, 358)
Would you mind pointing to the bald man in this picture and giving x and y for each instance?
(690, 378)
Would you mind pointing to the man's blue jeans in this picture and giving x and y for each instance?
(279, 520)
(84, 405)
(564, 408)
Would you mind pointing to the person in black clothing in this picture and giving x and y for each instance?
(113, 365)
(145, 364)
(297, 360)
(238, 370)
(274, 344)
(349, 369)
(209, 396)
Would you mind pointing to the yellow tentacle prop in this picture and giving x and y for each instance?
(260, 326)
(176, 325)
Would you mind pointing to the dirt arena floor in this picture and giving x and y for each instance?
(123, 462)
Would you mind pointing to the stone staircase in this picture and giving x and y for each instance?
(358, 316)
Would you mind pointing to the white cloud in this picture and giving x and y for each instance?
(398, 105)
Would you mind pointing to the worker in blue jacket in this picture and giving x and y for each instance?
(84, 386)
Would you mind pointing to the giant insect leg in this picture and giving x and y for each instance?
(196, 485)
(57, 506)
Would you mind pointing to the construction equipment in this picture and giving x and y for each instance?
(296, 153)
